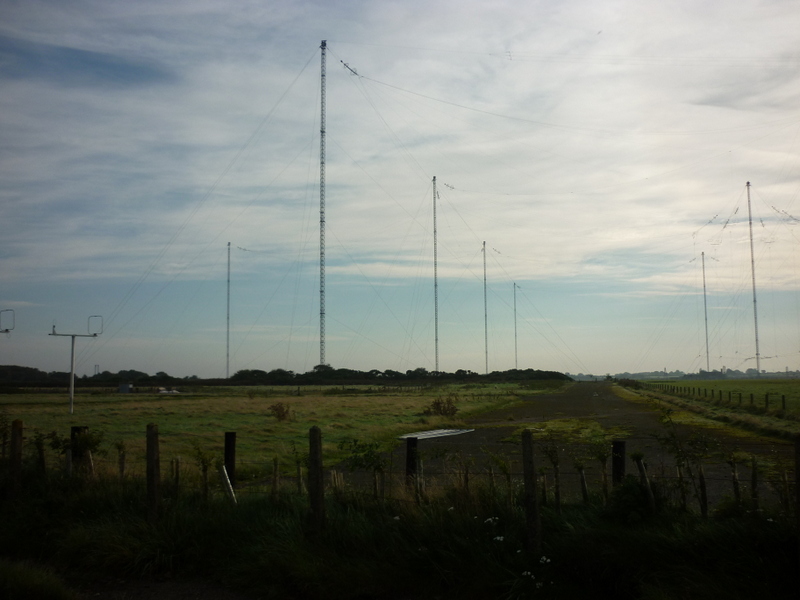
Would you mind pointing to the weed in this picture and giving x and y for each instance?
(280, 410)
(443, 407)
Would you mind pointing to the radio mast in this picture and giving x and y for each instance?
(753, 271)
(228, 321)
(435, 282)
(705, 309)
(485, 313)
(323, 48)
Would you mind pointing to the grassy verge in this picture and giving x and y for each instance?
(456, 545)
(269, 422)
(754, 420)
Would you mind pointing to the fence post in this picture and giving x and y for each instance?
(766, 401)
(412, 458)
(754, 482)
(532, 516)
(617, 462)
(701, 477)
(153, 474)
(230, 456)
(797, 492)
(276, 477)
(78, 453)
(16, 457)
(316, 482)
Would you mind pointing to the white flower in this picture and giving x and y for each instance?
(492, 520)
(526, 573)
(452, 508)
(499, 538)
(397, 518)
(544, 560)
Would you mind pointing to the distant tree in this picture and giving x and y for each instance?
(249, 377)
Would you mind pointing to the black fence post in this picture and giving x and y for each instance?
(617, 462)
(316, 482)
(531, 498)
(412, 460)
(230, 456)
(153, 474)
(15, 467)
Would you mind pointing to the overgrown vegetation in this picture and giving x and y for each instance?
(455, 545)
(730, 410)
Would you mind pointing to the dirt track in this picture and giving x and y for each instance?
(496, 432)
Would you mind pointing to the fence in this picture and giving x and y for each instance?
(768, 401)
(544, 470)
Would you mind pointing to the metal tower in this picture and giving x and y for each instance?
(435, 281)
(323, 48)
(228, 321)
(485, 313)
(753, 271)
(705, 309)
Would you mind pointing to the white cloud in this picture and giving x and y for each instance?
(586, 143)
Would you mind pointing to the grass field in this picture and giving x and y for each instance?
(466, 542)
(199, 419)
(729, 401)
(790, 388)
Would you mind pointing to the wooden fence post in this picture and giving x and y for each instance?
(638, 458)
(78, 452)
(701, 480)
(153, 475)
(797, 493)
(276, 477)
(617, 462)
(316, 482)
(531, 498)
(412, 459)
(15, 467)
(230, 456)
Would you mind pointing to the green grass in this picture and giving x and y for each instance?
(753, 419)
(790, 388)
(456, 545)
(201, 418)
(24, 581)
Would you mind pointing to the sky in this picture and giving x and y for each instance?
(601, 151)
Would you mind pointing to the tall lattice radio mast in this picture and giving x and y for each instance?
(753, 272)
(323, 48)
(435, 281)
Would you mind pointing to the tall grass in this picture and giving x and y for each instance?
(453, 544)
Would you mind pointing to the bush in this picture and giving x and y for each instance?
(280, 410)
(443, 407)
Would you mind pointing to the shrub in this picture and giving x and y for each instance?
(443, 407)
(280, 410)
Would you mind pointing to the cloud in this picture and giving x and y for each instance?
(72, 67)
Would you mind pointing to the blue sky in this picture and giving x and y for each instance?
(597, 148)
